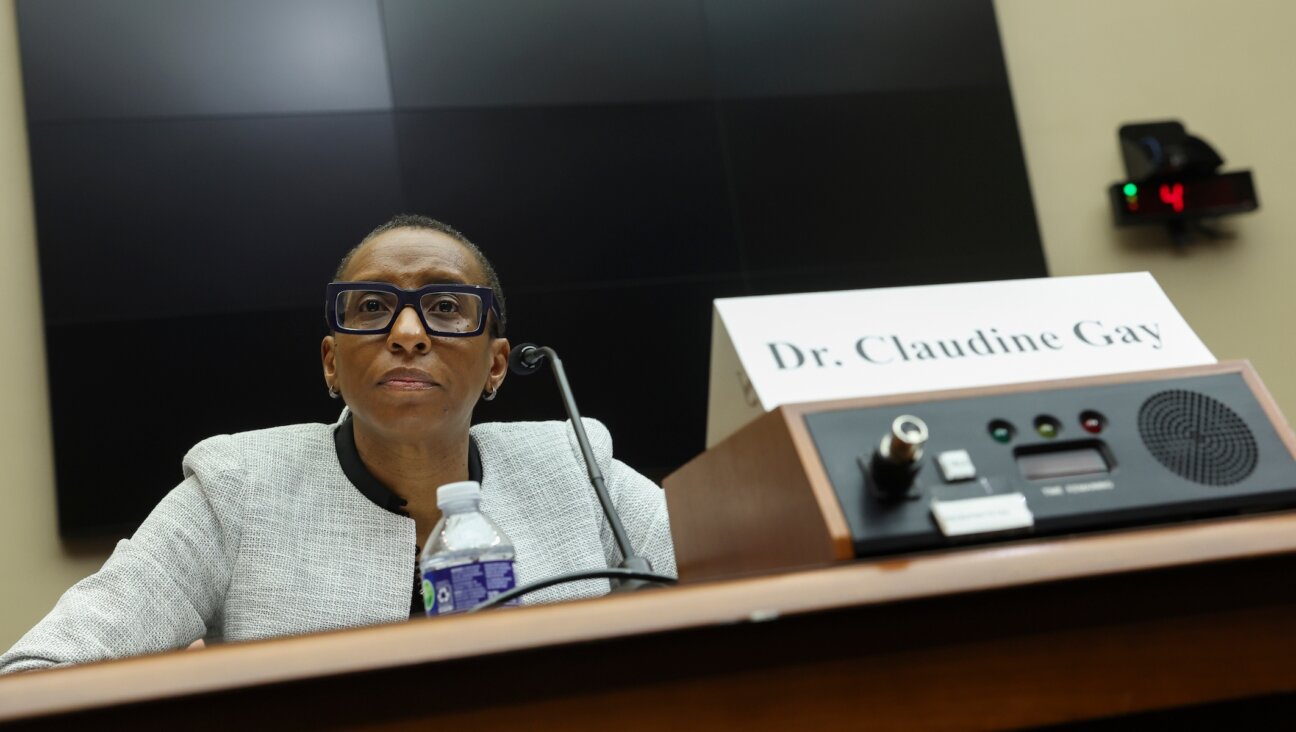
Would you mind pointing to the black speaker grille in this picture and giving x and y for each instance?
(1197, 437)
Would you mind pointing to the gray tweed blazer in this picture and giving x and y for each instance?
(267, 537)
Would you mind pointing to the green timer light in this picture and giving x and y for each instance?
(1131, 189)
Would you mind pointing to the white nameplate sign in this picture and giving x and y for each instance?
(782, 349)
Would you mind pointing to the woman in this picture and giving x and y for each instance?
(313, 527)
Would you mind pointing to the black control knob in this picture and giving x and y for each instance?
(897, 459)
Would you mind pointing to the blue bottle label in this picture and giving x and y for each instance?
(464, 586)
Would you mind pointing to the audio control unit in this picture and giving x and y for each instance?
(873, 477)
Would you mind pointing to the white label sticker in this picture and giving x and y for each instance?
(982, 515)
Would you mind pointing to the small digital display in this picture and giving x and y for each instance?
(1217, 195)
(1079, 460)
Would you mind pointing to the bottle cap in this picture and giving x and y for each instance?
(464, 490)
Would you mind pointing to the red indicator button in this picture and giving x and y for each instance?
(1092, 422)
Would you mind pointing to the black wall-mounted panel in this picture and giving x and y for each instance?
(87, 59)
(631, 354)
(129, 399)
(205, 216)
(200, 167)
(764, 48)
(920, 186)
(526, 53)
(577, 195)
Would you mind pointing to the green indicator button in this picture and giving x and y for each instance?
(1001, 431)
(1131, 189)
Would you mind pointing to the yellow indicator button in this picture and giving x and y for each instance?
(1047, 427)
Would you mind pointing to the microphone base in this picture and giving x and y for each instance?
(636, 564)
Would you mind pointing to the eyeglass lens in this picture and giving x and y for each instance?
(445, 312)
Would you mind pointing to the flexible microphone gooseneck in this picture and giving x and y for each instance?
(634, 571)
(526, 359)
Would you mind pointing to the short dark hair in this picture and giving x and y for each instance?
(415, 221)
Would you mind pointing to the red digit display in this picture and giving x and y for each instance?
(1164, 199)
(1172, 194)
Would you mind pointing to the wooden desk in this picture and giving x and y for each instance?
(1006, 635)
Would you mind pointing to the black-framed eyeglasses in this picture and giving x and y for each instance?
(372, 307)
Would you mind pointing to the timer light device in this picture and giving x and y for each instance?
(816, 483)
(1173, 180)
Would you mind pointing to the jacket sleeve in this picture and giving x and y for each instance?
(160, 590)
(640, 503)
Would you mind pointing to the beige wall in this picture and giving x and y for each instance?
(1079, 68)
(35, 568)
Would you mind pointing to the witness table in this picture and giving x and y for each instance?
(1016, 634)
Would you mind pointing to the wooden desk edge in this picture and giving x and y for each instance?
(280, 660)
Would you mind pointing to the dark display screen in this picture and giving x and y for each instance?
(1059, 463)
(1159, 200)
(622, 164)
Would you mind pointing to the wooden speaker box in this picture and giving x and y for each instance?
(794, 488)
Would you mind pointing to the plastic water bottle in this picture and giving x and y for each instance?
(467, 559)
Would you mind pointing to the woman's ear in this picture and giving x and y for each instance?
(328, 346)
(500, 350)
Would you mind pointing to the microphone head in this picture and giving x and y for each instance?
(525, 359)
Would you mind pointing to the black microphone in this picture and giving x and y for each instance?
(525, 359)
(634, 571)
